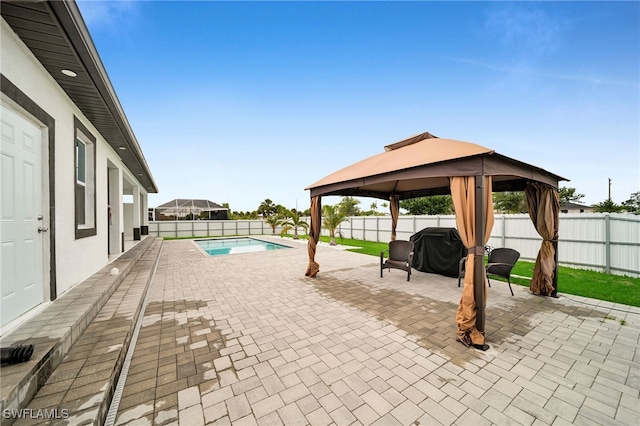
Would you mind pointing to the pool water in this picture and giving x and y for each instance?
(222, 246)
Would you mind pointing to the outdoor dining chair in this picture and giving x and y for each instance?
(463, 262)
(501, 262)
(400, 256)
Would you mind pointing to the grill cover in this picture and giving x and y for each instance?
(438, 250)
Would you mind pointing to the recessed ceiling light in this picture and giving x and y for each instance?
(122, 148)
(69, 73)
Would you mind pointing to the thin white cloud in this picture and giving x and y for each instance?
(526, 28)
(530, 36)
(100, 13)
(528, 71)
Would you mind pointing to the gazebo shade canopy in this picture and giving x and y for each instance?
(425, 165)
(422, 164)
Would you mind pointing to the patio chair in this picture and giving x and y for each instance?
(500, 263)
(463, 262)
(461, 269)
(400, 256)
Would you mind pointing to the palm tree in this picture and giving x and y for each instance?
(273, 221)
(294, 222)
(332, 217)
(267, 208)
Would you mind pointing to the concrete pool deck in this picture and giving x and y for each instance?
(248, 339)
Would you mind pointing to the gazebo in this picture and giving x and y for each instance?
(424, 165)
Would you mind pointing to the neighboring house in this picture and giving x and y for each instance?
(188, 209)
(569, 207)
(69, 158)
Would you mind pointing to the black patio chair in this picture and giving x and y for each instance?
(400, 257)
(500, 263)
(463, 262)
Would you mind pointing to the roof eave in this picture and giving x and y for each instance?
(64, 21)
(73, 24)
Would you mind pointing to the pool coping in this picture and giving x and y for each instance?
(235, 237)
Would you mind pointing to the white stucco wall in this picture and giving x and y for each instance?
(128, 220)
(76, 259)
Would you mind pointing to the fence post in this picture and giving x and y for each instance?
(351, 227)
(607, 242)
(504, 231)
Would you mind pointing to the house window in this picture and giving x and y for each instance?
(85, 181)
(81, 162)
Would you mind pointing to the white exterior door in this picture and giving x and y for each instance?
(21, 215)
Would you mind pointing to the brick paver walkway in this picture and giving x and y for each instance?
(247, 339)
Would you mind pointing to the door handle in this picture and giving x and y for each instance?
(42, 229)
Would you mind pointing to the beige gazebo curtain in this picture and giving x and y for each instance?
(463, 192)
(394, 205)
(314, 235)
(544, 208)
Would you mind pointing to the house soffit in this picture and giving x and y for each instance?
(57, 36)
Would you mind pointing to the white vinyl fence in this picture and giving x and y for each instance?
(598, 241)
(209, 228)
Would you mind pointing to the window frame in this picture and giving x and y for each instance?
(80, 142)
(84, 192)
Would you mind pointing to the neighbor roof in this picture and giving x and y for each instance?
(56, 34)
(571, 205)
(182, 203)
(422, 164)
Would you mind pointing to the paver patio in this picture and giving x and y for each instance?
(247, 339)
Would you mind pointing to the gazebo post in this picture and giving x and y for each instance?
(314, 235)
(394, 206)
(554, 282)
(478, 276)
(554, 243)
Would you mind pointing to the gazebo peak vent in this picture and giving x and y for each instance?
(410, 140)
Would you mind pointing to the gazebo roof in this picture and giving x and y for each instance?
(422, 164)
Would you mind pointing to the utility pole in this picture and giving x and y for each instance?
(609, 189)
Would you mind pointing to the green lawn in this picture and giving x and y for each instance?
(580, 282)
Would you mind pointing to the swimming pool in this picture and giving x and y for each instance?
(222, 246)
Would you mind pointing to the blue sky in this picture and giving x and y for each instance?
(241, 101)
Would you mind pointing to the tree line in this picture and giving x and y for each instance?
(503, 202)
(290, 220)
